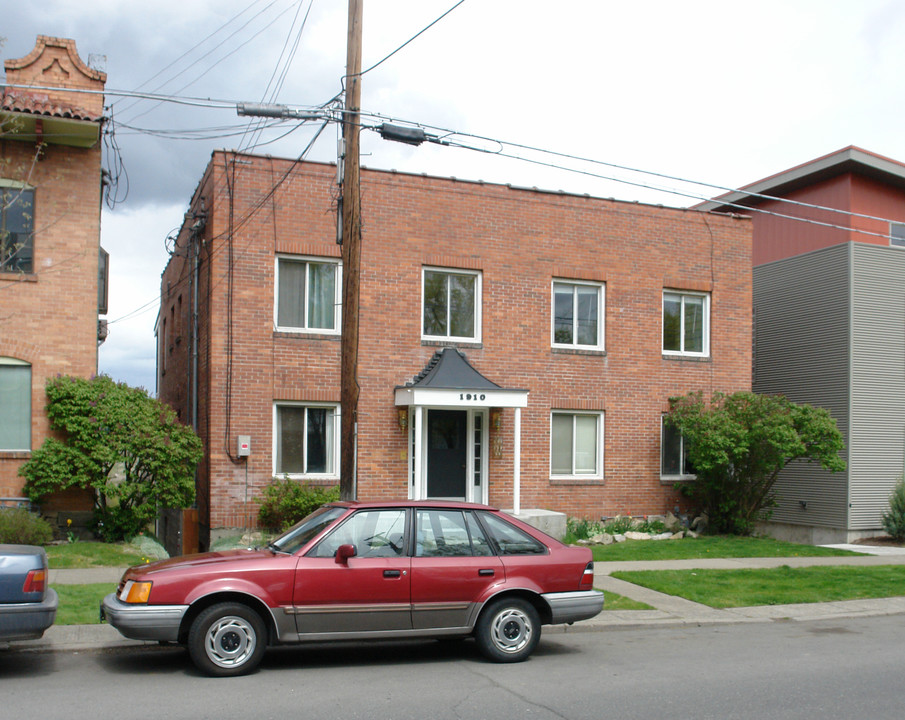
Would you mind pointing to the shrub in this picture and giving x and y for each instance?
(739, 443)
(620, 525)
(581, 529)
(894, 518)
(127, 449)
(20, 527)
(286, 501)
(653, 526)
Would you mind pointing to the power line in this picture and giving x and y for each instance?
(233, 51)
(500, 150)
(259, 123)
(416, 35)
(189, 51)
(238, 224)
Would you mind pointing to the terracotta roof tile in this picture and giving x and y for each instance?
(40, 104)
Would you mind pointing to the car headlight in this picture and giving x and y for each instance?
(135, 592)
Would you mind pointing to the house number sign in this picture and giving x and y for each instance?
(472, 397)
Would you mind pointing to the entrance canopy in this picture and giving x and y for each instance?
(449, 380)
(449, 432)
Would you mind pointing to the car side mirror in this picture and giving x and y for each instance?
(344, 552)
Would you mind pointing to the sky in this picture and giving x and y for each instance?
(720, 93)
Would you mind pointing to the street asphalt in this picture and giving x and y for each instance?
(668, 609)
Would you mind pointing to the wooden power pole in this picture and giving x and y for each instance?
(351, 255)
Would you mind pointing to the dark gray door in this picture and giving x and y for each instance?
(447, 453)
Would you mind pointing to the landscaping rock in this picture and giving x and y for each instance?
(149, 547)
(677, 536)
(619, 538)
(692, 534)
(673, 524)
(632, 535)
(252, 539)
(602, 539)
(662, 536)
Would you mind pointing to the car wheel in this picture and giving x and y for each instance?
(508, 630)
(227, 639)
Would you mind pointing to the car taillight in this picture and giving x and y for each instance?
(35, 581)
(587, 577)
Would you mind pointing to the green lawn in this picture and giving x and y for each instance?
(776, 586)
(82, 554)
(620, 602)
(710, 546)
(79, 604)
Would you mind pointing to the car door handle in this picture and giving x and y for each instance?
(487, 572)
(392, 573)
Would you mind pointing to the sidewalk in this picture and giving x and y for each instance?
(668, 610)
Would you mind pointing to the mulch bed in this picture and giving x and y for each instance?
(883, 540)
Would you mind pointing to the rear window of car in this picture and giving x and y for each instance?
(447, 533)
(509, 539)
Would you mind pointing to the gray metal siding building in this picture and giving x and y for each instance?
(829, 330)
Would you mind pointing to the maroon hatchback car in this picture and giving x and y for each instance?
(363, 571)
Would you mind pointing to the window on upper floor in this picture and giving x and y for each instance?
(674, 462)
(307, 295)
(897, 234)
(578, 312)
(576, 444)
(17, 205)
(686, 323)
(306, 439)
(15, 404)
(451, 305)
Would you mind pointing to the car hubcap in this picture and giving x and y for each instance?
(511, 630)
(230, 642)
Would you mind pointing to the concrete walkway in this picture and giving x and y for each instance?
(668, 610)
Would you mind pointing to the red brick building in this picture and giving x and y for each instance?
(575, 319)
(51, 263)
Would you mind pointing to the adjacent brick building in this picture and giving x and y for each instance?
(568, 322)
(829, 330)
(51, 263)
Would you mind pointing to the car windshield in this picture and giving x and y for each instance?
(300, 533)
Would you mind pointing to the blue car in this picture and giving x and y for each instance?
(27, 605)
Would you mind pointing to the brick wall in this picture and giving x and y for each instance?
(519, 240)
(48, 317)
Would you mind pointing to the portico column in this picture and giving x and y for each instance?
(416, 461)
(517, 461)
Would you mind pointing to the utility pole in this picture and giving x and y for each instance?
(351, 256)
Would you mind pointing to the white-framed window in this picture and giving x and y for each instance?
(451, 304)
(686, 323)
(578, 312)
(897, 234)
(576, 444)
(15, 404)
(17, 226)
(308, 295)
(674, 463)
(306, 439)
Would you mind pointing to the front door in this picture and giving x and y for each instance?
(447, 453)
